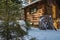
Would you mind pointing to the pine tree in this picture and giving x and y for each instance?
(10, 11)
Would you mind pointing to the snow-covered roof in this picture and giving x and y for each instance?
(26, 3)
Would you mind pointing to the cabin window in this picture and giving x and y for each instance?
(33, 0)
(33, 10)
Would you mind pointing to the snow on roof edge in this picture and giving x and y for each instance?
(30, 3)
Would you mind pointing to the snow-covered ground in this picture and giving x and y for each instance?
(43, 34)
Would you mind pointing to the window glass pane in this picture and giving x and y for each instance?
(33, 10)
(33, 0)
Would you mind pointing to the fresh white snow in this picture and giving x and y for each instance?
(22, 24)
(42, 34)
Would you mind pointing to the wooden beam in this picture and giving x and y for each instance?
(54, 11)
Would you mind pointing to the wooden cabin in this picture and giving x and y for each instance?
(33, 10)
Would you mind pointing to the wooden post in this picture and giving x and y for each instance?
(54, 15)
(54, 11)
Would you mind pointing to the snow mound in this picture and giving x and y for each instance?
(42, 34)
(22, 24)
